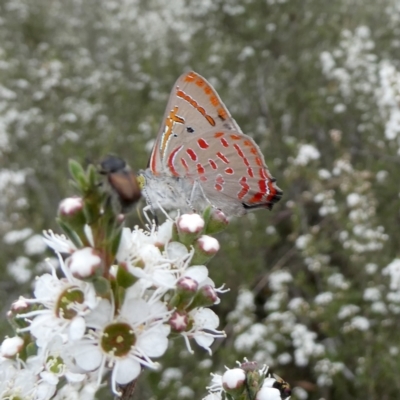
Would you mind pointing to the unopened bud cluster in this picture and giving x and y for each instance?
(248, 382)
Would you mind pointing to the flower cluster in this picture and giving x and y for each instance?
(117, 298)
(248, 381)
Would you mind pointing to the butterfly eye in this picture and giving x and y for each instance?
(190, 129)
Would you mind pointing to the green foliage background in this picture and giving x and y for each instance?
(310, 292)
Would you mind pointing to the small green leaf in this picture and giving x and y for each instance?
(102, 286)
(124, 278)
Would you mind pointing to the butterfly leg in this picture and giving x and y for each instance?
(149, 221)
(198, 193)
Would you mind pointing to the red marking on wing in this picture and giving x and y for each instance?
(207, 90)
(222, 113)
(210, 120)
(171, 160)
(235, 137)
(250, 172)
(253, 151)
(202, 144)
(200, 82)
(219, 179)
(214, 101)
(213, 164)
(219, 182)
(262, 184)
(203, 178)
(153, 165)
(190, 77)
(239, 150)
(256, 198)
(224, 142)
(229, 171)
(218, 134)
(192, 154)
(263, 173)
(184, 163)
(222, 157)
(245, 188)
(241, 154)
(200, 169)
(259, 162)
(247, 142)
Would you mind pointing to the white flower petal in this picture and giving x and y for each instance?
(77, 328)
(46, 286)
(49, 377)
(87, 356)
(126, 370)
(100, 315)
(197, 272)
(45, 391)
(203, 340)
(135, 310)
(176, 250)
(164, 233)
(153, 344)
(74, 378)
(206, 318)
(164, 278)
(267, 393)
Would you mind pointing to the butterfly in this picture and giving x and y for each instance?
(201, 157)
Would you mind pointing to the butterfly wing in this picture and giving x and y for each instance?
(229, 167)
(193, 107)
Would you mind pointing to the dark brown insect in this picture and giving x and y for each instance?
(282, 386)
(122, 180)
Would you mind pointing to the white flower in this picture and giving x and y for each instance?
(13, 237)
(11, 346)
(393, 270)
(124, 343)
(35, 245)
(353, 199)
(190, 223)
(203, 331)
(233, 378)
(84, 263)
(59, 243)
(65, 303)
(18, 383)
(306, 153)
(267, 392)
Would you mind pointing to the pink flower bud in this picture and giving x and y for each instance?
(217, 221)
(187, 284)
(11, 347)
(85, 263)
(70, 206)
(179, 321)
(233, 381)
(190, 223)
(208, 244)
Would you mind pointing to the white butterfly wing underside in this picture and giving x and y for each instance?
(193, 107)
(199, 141)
